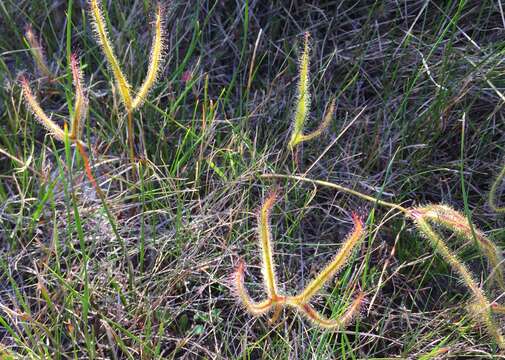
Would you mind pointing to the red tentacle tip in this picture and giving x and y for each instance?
(269, 201)
(360, 298)
(357, 219)
(74, 64)
(23, 80)
(236, 278)
(273, 195)
(240, 267)
(415, 213)
(360, 301)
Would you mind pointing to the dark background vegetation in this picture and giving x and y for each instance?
(429, 76)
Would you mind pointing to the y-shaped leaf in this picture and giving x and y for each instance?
(451, 219)
(480, 307)
(303, 100)
(277, 301)
(80, 106)
(121, 81)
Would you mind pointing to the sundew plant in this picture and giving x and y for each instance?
(252, 180)
(276, 301)
(132, 99)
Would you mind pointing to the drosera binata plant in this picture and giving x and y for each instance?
(79, 113)
(80, 109)
(275, 300)
(442, 216)
(132, 100)
(80, 106)
(303, 101)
